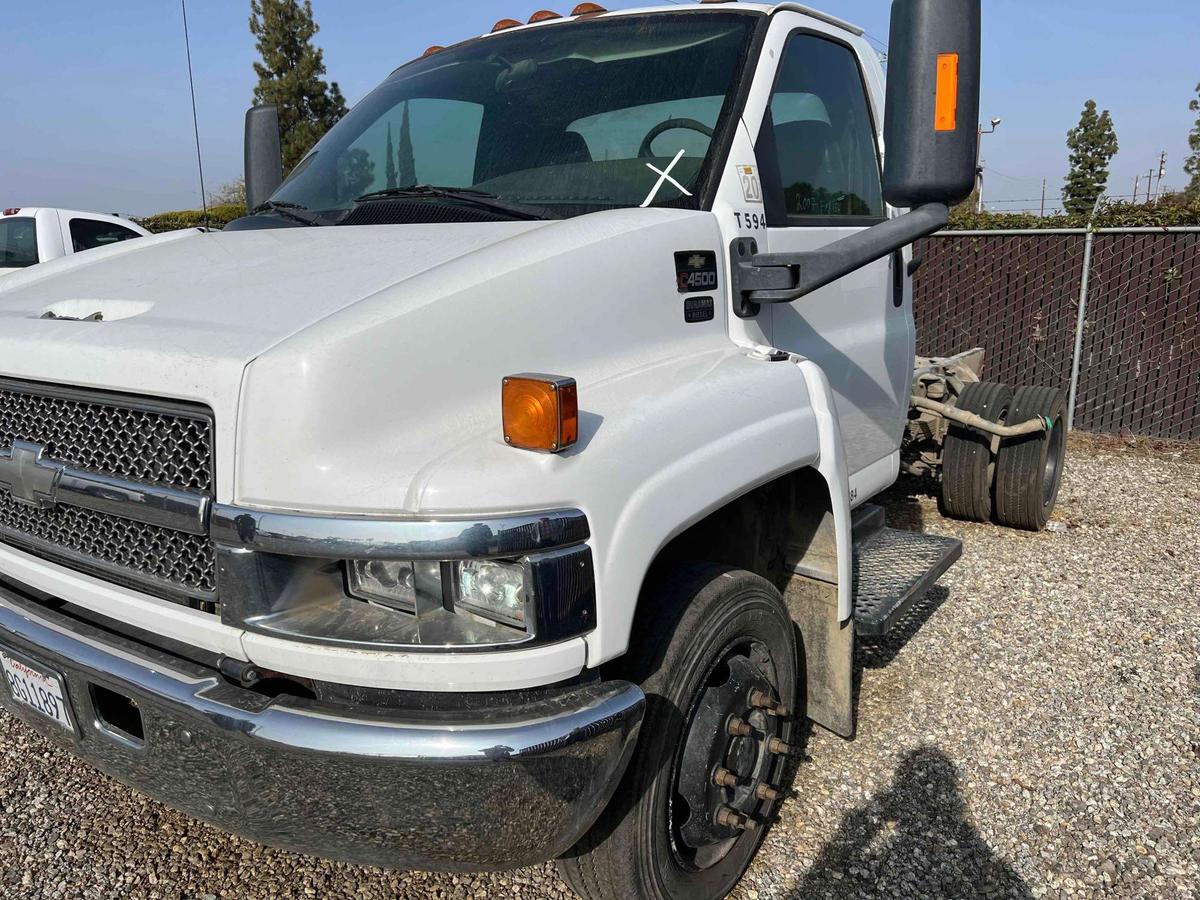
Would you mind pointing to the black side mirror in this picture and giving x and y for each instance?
(264, 161)
(932, 115)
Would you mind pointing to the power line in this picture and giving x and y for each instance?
(195, 121)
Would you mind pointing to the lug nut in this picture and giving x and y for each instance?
(766, 792)
(730, 818)
(764, 701)
(778, 747)
(725, 778)
(738, 728)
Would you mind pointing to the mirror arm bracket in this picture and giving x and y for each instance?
(785, 277)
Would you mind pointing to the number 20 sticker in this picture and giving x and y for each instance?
(751, 187)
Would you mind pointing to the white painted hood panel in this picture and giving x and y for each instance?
(184, 313)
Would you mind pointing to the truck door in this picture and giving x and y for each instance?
(818, 154)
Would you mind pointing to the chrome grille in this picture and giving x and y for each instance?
(148, 441)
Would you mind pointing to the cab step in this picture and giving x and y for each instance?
(892, 570)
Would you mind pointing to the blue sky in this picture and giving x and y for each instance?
(95, 113)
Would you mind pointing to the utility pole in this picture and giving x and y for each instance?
(1162, 171)
(1043, 215)
(1137, 188)
(1149, 184)
(979, 161)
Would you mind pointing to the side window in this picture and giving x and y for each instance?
(89, 233)
(824, 137)
(18, 243)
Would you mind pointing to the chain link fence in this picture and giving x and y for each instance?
(1113, 315)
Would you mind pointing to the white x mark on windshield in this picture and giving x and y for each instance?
(664, 176)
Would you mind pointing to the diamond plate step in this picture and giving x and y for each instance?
(892, 570)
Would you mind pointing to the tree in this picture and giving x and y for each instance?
(290, 75)
(356, 173)
(1093, 144)
(407, 175)
(391, 159)
(231, 192)
(1192, 165)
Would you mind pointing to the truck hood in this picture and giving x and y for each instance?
(293, 337)
(195, 308)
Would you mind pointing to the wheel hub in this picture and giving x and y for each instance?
(733, 754)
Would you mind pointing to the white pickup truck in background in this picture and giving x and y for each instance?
(32, 235)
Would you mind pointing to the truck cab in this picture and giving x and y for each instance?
(495, 491)
(32, 235)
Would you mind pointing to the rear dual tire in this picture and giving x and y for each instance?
(968, 461)
(1029, 468)
(1012, 481)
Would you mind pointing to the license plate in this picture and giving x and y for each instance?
(39, 689)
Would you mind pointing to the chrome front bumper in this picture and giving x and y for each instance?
(491, 786)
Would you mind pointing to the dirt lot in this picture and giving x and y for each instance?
(1033, 731)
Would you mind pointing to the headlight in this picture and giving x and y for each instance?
(504, 582)
(495, 590)
(394, 584)
(378, 603)
(489, 588)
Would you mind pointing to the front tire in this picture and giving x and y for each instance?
(714, 642)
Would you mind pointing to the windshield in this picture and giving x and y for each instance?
(568, 118)
(18, 243)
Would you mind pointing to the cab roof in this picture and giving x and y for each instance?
(702, 6)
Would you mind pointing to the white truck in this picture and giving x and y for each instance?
(497, 490)
(32, 235)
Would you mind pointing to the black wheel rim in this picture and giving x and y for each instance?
(1053, 467)
(707, 819)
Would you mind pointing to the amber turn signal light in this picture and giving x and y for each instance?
(540, 412)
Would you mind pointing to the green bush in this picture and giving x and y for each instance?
(1173, 209)
(218, 217)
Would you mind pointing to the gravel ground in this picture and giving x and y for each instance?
(1033, 731)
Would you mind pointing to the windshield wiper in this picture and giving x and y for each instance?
(293, 211)
(462, 195)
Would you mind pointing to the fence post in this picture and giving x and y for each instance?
(1084, 282)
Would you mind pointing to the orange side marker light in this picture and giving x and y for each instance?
(946, 106)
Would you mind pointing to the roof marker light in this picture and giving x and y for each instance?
(436, 48)
(543, 15)
(588, 9)
(12, 210)
(504, 24)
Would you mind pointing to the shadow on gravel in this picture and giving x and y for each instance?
(903, 502)
(877, 653)
(912, 840)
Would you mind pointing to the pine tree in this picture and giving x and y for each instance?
(1192, 165)
(407, 176)
(391, 160)
(290, 75)
(1093, 144)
